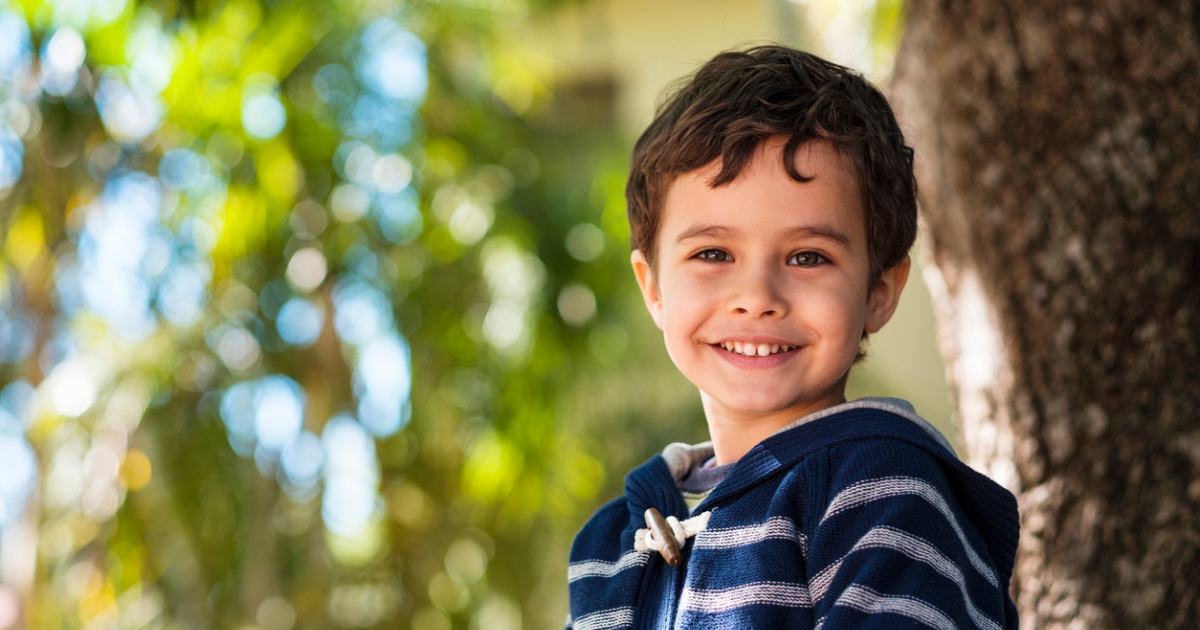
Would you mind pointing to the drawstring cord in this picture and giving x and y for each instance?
(667, 535)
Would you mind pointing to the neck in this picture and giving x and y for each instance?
(735, 432)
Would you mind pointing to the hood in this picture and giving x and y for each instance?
(681, 458)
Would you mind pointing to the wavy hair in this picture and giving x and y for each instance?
(740, 99)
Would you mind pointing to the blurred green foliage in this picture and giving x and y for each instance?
(316, 313)
(153, 507)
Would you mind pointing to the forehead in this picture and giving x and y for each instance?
(764, 201)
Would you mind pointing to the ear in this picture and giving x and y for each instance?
(646, 282)
(885, 296)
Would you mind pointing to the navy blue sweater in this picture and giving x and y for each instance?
(858, 519)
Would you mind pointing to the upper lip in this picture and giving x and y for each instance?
(756, 340)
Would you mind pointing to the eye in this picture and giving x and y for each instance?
(712, 255)
(806, 259)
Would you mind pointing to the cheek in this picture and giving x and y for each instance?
(687, 301)
(836, 312)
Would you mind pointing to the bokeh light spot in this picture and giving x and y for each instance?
(62, 55)
(392, 173)
(577, 304)
(263, 116)
(299, 322)
(275, 613)
(15, 49)
(279, 411)
(130, 113)
(466, 561)
(20, 466)
(181, 169)
(383, 381)
(183, 294)
(238, 349)
(302, 459)
(361, 311)
(585, 242)
(71, 388)
(12, 155)
(400, 218)
(349, 202)
(237, 410)
(16, 338)
(350, 500)
(384, 367)
(470, 221)
(393, 61)
(136, 470)
(306, 269)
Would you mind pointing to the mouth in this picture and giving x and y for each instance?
(754, 349)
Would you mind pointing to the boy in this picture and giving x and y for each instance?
(773, 205)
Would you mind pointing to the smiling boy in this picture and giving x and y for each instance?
(772, 205)
(760, 288)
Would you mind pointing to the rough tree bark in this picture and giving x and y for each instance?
(1059, 156)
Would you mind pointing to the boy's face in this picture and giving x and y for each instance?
(766, 263)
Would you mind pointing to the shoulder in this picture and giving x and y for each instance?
(616, 522)
(889, 470)
(876, 472)
(888, 488)
(609, 519)
(617, 509)
(853, 462)
(883, 456)
(606, 536)
(902, 536)
(604, 569)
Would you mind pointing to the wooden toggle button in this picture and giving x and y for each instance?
(662, 531)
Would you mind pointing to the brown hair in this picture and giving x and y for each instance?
(740, 99)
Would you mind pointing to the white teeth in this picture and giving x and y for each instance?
(753, 350)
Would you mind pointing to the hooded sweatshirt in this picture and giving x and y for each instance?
(858, 516)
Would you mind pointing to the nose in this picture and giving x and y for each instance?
(758, 293)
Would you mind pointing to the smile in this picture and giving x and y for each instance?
(755, 350)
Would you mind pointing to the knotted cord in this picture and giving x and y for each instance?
(652, 537)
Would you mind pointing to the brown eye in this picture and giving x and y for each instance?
(806, 259)
(712, 255)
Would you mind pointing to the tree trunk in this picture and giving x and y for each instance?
(1058, 149)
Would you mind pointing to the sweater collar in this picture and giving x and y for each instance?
(681, 458)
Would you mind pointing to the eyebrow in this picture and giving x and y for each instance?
(818, 231)
(802, 231)
(705, 231)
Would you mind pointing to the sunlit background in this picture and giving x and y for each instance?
(317, 313)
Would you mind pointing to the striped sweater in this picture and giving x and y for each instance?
(856, 517)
